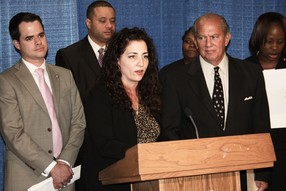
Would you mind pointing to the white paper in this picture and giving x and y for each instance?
(47, 185)
(275, 81)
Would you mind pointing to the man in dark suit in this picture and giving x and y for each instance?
(29, 116)
(188, 90)
(82, 57)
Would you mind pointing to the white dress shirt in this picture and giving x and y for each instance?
(95, 47)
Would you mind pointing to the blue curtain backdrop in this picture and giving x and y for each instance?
(165, 21)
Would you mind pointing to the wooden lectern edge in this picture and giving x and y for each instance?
(187, 173)
(112, 174)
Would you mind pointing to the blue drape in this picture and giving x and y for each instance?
(165, 21)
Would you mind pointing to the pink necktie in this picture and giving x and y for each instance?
(48, 98)
(100, 57)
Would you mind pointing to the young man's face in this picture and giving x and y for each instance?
(32, 43)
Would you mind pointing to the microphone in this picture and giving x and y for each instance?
(188, 113)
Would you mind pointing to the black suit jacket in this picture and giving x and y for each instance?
(185, 87)
(81, 60)
(169, 68)
(110, 132)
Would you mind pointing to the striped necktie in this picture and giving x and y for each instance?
(100, 57)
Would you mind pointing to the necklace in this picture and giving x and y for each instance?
(134, 100)
(137, 109)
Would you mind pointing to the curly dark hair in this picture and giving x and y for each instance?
(148, 88)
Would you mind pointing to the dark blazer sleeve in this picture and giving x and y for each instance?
(169, 69)
(172, 113)
(61, 59)
(110, 130)
(261, 108)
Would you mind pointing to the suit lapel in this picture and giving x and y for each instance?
(234, 88)
(198, 84)
(27, 80)
(90, 56)
(55, 84)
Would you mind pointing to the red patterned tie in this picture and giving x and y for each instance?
(48, 98)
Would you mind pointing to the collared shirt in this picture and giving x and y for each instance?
(95, 47)
(32, 68)
(208, 70)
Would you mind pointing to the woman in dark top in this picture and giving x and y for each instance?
(267, 45)
(124, 107)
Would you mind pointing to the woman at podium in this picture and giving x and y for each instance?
(124, 106)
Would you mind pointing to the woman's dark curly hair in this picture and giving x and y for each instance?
(148, 88)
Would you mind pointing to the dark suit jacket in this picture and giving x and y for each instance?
(26, 125)
(81, 60)
(110, 132)
(185, 87)
(169, 68)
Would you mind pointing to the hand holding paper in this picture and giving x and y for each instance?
(61, 174)
(47, 185)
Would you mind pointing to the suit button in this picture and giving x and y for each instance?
(49, 129)
(50, 151)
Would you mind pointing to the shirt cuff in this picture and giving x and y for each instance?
(48, 169)
(64, 162)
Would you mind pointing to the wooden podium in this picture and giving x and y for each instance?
(207, 164)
